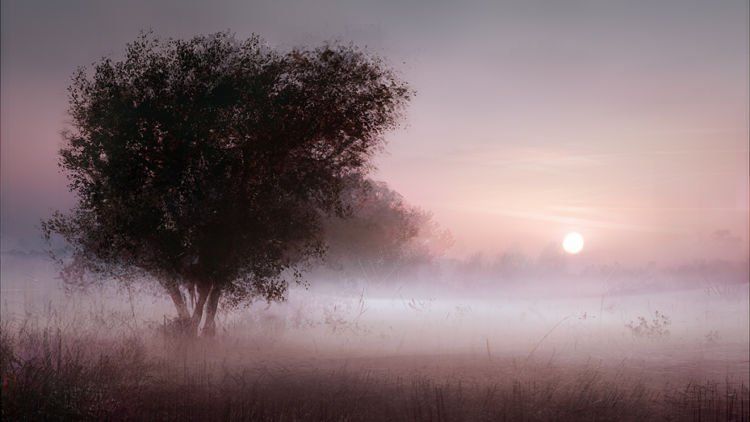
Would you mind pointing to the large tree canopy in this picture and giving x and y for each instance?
(209, 164)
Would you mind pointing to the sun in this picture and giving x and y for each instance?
(573, 243)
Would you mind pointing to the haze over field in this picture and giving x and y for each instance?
(559, 228)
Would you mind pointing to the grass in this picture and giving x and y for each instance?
(57, 374)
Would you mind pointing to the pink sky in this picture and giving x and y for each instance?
(625, 122)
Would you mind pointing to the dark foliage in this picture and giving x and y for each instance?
(208, 164)
(382, 234)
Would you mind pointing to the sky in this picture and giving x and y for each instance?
(626, 121)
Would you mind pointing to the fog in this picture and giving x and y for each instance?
(611, 342)
(493, 130)
(443, 308)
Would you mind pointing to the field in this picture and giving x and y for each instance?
(367, 354)
(48, 376)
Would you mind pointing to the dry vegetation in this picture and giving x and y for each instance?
(364, 355)
(52, 371)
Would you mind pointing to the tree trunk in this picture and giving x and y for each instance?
(203, 298)
(179, 301)
(191, 293)
(203, 291)
(209, 327)
(183, 314)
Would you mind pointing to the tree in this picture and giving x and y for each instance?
(208, 164)
(382, 234)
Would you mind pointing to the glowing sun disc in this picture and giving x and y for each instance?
(573, 243)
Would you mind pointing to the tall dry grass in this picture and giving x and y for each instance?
(54, 373)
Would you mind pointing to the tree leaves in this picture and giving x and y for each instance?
(213, 160)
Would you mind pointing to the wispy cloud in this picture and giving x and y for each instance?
(586, 222)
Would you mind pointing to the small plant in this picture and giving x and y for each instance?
(344, 318)
(656, 328)
(712, 337)
(333, 317)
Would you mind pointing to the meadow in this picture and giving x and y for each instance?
(355, 352)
